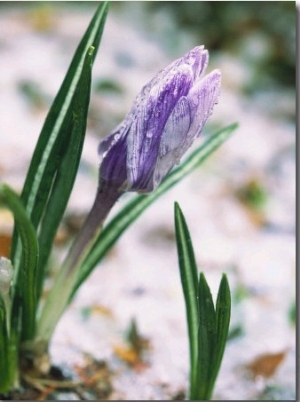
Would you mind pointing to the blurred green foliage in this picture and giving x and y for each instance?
(108, 85)
(253, 194)
(235, 331)
(33, 94)
(292, 313)
(260, 33)
(228, 25)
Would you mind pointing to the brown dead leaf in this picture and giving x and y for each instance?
(133, 353)
(256, 217)
(95, 375)
(97, 309)
(135, 340)
(127, 355)
(6, 227)
(130, 357)
(266, 364)
(101, 310)
(5, 242)
(253, 197)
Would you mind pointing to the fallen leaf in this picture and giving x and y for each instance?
(135, 340)
(253, 197)
(132, 353)
(97, 309)
(127, 354)
(266, 364)
(6, 227)
(5, 242)
(101, 310)
(95, 376)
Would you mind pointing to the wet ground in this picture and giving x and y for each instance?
(240, 208)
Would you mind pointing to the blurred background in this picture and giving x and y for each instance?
(240, 205)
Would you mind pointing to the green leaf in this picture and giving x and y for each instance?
(4, 346)
(25, 279)
(65, 177)
(8, 352)
(189, 280)
(212, 337)
(223, 310)
(135, 207)
(206, 340)
(50, 149)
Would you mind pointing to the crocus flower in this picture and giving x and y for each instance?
(165, 119)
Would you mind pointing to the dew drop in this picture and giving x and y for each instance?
(149, 134)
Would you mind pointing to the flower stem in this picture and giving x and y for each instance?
(104, 201)
(60, 293)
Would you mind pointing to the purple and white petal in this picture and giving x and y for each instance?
(202, 98)
(166, 117)
(172, 141)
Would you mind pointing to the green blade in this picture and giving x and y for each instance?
(223, 308)
(206, 340)
(26, 292)
(135, 207)
(66, 174)
(189, 281)
(4, 347)
(53, 138)
(8, 352)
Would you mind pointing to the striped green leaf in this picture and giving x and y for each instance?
(189, 280)
(54, 143)
(223, 311)
(212, 336)
(206, 341)
(25, 298)
(65, 177)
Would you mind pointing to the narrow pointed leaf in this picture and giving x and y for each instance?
(53, 138)
(135, 207)
(66, 174)
(26, 292)
(4, 347)
(223, 308)
(189, 280)
(8, 352)
(206, 339)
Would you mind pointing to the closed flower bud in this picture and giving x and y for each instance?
(166, 117)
